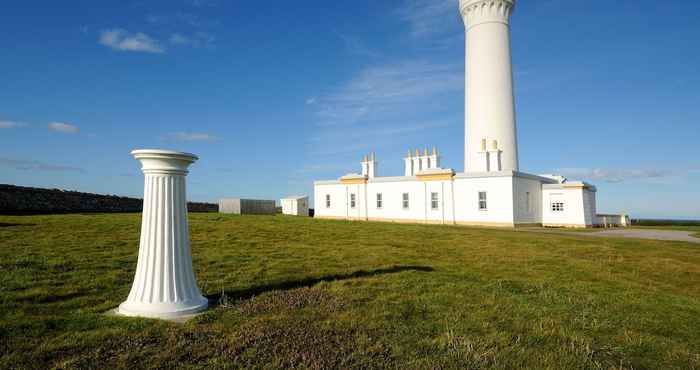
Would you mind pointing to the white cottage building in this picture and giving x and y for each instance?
(491, 191)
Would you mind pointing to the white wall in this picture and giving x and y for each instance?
(589, 207)
(458, 199)
(499, 194)
(579, 207)
(338, 193)
(528, 200)
(392, 200)
(392, 207)
(295, 206)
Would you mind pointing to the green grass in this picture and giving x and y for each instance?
(304, 293)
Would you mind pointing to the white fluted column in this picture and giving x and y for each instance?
(164, 285)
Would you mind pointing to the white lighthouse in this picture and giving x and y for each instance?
(492, 191)
(490, 142)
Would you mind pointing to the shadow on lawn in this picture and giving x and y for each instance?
(3, 224)
(235, 295)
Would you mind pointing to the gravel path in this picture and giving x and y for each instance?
(682, 236)
(673, 235)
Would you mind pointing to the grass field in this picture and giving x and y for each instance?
(304, 293)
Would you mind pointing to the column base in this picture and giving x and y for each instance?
(165, 311)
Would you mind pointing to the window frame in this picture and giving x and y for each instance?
(328, 201)
(406, 201)
(353, 201)
(380, 200)
(557, 206)
(434, 201)
(483, 204)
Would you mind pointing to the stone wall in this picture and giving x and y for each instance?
(19, 200)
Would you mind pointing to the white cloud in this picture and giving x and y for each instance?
(11, 124)
(310, 101)
(122, 40)
(26, 165)
(191, 136)
(65, 128)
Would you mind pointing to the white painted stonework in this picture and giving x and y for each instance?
(164, 285)
(491, 190)
(490, 105)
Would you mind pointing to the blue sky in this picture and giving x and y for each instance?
(274, 95)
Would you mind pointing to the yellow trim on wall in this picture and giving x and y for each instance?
(353, 181)
(435, 177)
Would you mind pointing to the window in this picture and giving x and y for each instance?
(483, 204)
(405, 201)
(352, 201)
(558, 207)
(379, 200)
(434, 201)
(328, 201)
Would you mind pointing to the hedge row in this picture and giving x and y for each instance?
(19, 200)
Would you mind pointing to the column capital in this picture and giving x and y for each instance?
(164, 161)
(476, 12)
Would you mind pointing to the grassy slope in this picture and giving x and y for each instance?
(329, 294)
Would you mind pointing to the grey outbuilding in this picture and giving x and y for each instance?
(239, 206)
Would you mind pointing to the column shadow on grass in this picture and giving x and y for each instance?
(3, 224)
(243, 294)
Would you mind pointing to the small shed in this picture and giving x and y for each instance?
(297, 205)
(239, 206)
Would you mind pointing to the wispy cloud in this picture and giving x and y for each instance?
(122, 40)
(65, 128)
(619, 175)
(26, 165)
(202, 3)
(310, 101)
(356, 46)
(388, 90)
(198, 39)
(385, 106)
(176, 18)
(320, 167)
(190, 136)
(390, 104)
(429, 17)
(11, 124)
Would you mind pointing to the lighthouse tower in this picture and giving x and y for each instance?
(490, 140)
